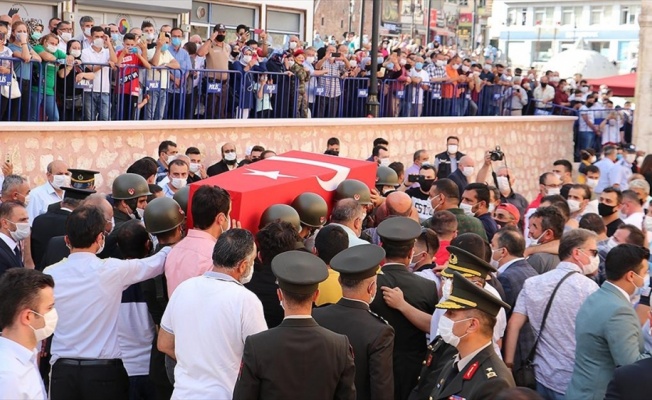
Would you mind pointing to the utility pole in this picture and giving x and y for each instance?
(373, 106)
(362, 7)
(351, 4)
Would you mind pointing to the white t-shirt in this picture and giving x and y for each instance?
(611, 131)
(101, 83)
(425, 77)
(210, 317)
(584, 127)
(161, 75)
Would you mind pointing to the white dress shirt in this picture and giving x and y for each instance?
(354, 240)
(462, 363)
(89, 292)
(11, 243)
(209, 341)
(507, 264)
(19, 375)
(39, 200)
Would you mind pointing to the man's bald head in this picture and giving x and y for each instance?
(57, 167)
(467, 161)
(99, 200)
(398, 204)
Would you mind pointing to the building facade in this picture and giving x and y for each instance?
(530, 32)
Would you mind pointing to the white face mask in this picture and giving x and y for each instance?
(140, 212)
(75, 53)
(98, 43)
(535, 241)
(594, 159)
(59, 181)
(440, 63)
(26, 202)
(310, 60)
(293, 45)
(648, 224)
(402, 61)
(194, 167)
(22, 230)
(452, 149)
(467, 208)
(87, 31)
(112, 224)
(246, 59)
(591, 183)
(465, 68)
(574, 205)
(230, 156)
(553, 191)
(495, 263)
(593, 265)
(101, 248)
(66, 36)
(171, 158)
(250, 273)
(445, 329)
(503, 183)
(51, 318)
(611, 243)
(353, 63)
(468, 171)
(385, 161)
(50, 48)
(491, 208)
(630, 158)
(178, 183)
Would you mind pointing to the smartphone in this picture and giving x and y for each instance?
(382, 70)
(413, 178)
(13, 11)
(336, 55)
(258, 31)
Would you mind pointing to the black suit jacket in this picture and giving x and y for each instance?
(373, 345)
(217, 168)
(483, 377)
(296, 360)
(55, 251)
(45, 227)
(631, 382)
(410, 343)
(459, 179)
(8, 258)
(263, 285)
(513, 279)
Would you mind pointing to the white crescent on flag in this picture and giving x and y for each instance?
(341, 172)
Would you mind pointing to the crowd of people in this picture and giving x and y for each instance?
(151, 74)
(441, 281)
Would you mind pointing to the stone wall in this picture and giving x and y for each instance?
(531, 144)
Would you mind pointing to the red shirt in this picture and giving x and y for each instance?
(441, 256)
(128, 74)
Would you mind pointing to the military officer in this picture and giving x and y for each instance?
(476, 372)
(297, 359)
(398, 236)
(79, 179)
(371, 336)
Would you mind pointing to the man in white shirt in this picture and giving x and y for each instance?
(518, 97)
(208, 347)
(86, 23)
(544, 94)
(86, 355)
(349, 214)
(41, 197)
(420, 79)
(27, 316)
(177, 177)
(158, 79)
(632, 209)
(98, 55)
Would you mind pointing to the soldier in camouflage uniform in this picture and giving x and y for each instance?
(302, 75)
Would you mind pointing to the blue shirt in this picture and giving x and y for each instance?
(22, 69)
(605, 165)
(183, 58)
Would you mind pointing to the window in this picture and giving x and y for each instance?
(600, 47)
(543, 15)
(571, 16)
(600, 15)
(517, 15)
(464, 2)
(629, 14)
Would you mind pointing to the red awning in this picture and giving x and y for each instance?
(622, 85)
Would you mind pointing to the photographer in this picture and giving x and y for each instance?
(420, 195)
(484, 174)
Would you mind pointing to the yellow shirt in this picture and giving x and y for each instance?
(330, 290)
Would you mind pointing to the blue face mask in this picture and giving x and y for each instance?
(176, 42)
(36, 35)
(419, 65)
(390, 66)
(380, 60)
(619, 157)
(165, 47)
(115, 37)
(133, 50)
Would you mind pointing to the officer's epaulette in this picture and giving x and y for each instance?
(490, 373)
(378, 316)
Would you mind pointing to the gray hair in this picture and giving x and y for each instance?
(346, 210)
(572, 240)
(640, 184)
(233, 247)
(10, 182)
(85, 19)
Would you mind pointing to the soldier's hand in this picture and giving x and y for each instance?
(393, 297)
(235, 224)
(376, 198)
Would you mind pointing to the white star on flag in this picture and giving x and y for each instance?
(269, 174)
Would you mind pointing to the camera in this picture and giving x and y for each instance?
(497, 154)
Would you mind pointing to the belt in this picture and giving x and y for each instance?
(89, 362)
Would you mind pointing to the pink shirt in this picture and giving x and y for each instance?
(191, 257)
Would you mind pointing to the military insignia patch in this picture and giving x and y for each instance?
(491, 373)
(453, 259)
(471, 371)
(131, 191)
(356, 197)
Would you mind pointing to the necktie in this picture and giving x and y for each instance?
(19, 255)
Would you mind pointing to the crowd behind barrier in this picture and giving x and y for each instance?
(65, 91)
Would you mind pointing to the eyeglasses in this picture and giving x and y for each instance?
(593, 252)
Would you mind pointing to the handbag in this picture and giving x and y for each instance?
(524, 376)
(12, 93)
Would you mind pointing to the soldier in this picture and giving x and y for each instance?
(283, 212)
(298, 359)
(476, 372)
(398, 236)
(130, 193)
(371, 336)
(312, 210)
(386, 180)
(79, 179)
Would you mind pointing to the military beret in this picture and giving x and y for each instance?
(466, 263)
(398, 230)
(82, 178)
(358, 262)
(299, 272)
(466, 295)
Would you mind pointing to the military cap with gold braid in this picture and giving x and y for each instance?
(358, 262)
(82, 178)
(299, 272)
(467, 264)
(466, 295)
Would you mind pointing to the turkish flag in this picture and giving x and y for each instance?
(280, 179)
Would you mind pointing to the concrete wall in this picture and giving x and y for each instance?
(531, 144)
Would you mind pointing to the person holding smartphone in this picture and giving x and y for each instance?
(263, 98)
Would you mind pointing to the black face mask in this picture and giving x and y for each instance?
(605, 210)
(425, 184)
(235, 54)
(543, 85)
(220, 38)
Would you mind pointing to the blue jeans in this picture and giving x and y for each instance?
(586, 140)
(96, 106)
(155, 108)
(549, 394)
(51, 110)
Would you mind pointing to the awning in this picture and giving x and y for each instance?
(621, 85)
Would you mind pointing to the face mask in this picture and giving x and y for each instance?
(630, 158)
(51, 318)
(638, 290)
(66, 36)
(412, 265)
(310, 60)
(385, 162)
(171, 158)
(87, 31)
(112, 224)
(574, 205)
(611, 243)
(176, 42)
(452, 149)
(419, 65)
(593, 265)
(246, 59)
(26, 202)
(445, 329)
(22, 230)
(247, 278)
(591, 183)
(427, 184)
(220, 38)
(59, 181)
(178, 183)
(487, 67)
(440, 63)
(619, 157)
(230, 157)
(468, 171)
(467, 208)
(503, 183)
(648, 224)
(476, 73)
(553, 191)
(165, 48)
(353, 63)
(293, 45)
(456, 66)
(535, 242)
(605, 210)
(390, 66)
(465, 68)
(50, 48)
(98, 43)
(402, 61)
(194, 167)
(380, 60)
(290, 63)
(639, 160)
(140, 212)
(149, 36)
(491, 208)
(75, 53)
(20, 36)
(101, 248)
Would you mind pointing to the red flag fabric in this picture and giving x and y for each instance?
(278, 180)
